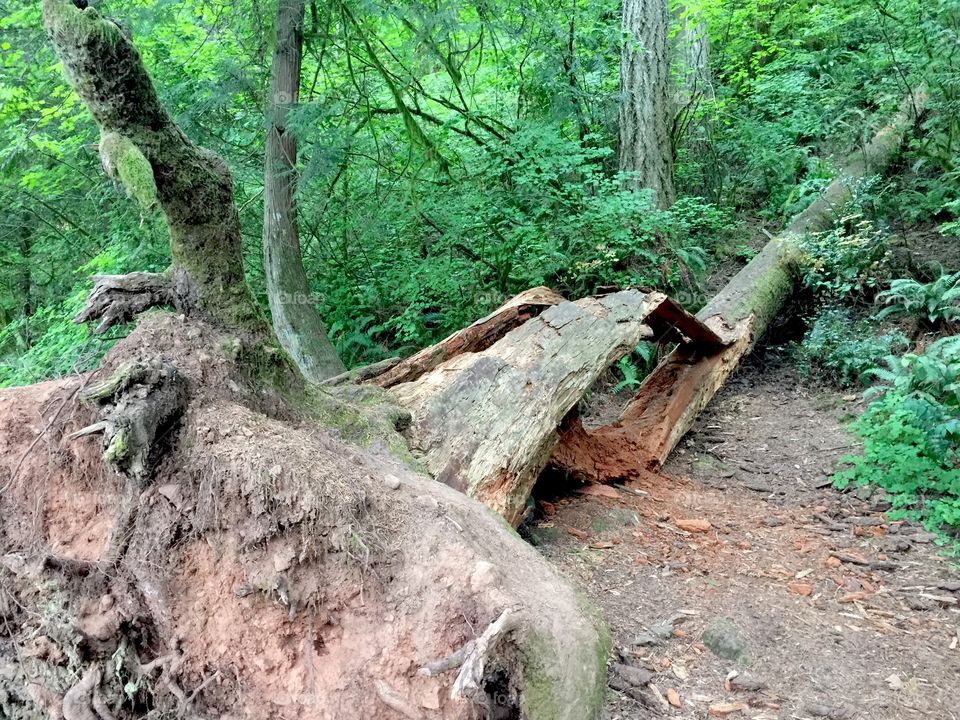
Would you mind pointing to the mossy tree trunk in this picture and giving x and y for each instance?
(142, 147)
(295, 318)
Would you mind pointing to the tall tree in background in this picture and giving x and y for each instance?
(646, 115)
(295, 318)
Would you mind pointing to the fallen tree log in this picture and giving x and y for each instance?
(669, 400)
(485, 421)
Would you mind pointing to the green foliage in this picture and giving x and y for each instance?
(848, 263)
(936, 302)
(636, 366)
(911, 434)
(842, 349)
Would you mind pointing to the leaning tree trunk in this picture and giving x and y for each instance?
(646, 148)
(671, 397)
(295, 318)
(143, 148)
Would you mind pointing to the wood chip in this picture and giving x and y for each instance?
(799, 588)
(600, 491)
(724, 709)
(577, 533)
(852, 598)
(693, 525)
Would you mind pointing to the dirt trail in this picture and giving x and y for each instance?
(816, 635)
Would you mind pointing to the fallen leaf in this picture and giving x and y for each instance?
(693, 525)
(724, 709)
(799, 588)
(600, 491)
(673, 697)
(579, 534)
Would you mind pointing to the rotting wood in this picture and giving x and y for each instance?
(673, 395)
(485, 419)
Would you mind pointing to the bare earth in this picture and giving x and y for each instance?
(823, 636)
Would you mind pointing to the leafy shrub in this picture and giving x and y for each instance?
(911, 433)
(843, 349)
(936, 302)
(848, 263)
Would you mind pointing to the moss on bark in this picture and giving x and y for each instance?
(156, 162)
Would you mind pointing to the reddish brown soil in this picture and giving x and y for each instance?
(868, 643)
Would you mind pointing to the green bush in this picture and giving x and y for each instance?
(936, 303)
(911, 433)
(847, 264)
(843, 349)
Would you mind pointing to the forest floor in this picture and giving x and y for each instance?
(744, 546)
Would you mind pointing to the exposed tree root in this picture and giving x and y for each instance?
(469, 684)
(118, 299)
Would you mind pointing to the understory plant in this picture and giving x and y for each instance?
(936, 303)
(841, 348)
(911, 432)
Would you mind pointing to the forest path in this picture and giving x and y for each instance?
(824, 637)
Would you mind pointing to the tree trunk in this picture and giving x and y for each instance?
(646, 116)
(693, 57)
(296, 321)
(143, 148)
(669, 400)
(485, 419)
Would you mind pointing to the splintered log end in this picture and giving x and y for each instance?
(117, 299)
(472, 339)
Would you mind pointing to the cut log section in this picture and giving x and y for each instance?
(485, 420)
(671, 397)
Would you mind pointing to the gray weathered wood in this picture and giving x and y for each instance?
(485, 422)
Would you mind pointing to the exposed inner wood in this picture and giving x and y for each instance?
(485, 418)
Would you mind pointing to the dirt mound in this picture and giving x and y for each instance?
(267, 568)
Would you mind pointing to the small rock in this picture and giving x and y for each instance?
(822, 482)
(673, 697)
(392, 482)
(633, 675)
(483, 576)
(952, 586)
(799, 588)
(894, 682)
(758, 485)
(923, 537)
(724, 640)
(772, 522)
